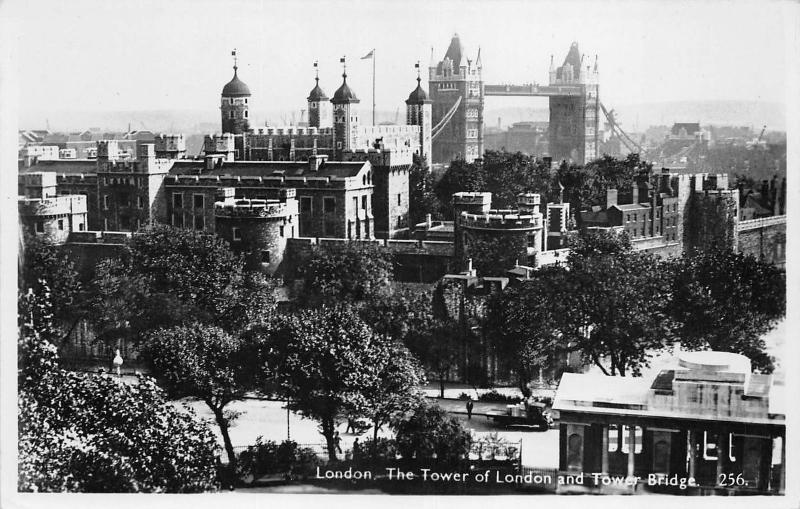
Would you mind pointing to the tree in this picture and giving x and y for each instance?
(460, 176)
(427, 431)
(530, 324)
(398, 385)
(44, 264)
(349, 272)
(170, 276)
(328, 363)
(586, 186)
(422, 198)
(92, 433)
(727, 301)
(204, 362)
(610, 304)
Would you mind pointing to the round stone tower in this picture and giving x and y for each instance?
(258, 229)
(497, 240)
(419, 112)
(319, 109)
(345, 117)
(235, 105)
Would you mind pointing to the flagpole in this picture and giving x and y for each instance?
(373, 86)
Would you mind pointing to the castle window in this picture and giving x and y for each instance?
(306, 206)
(61, 224)
(245, 113)
(281, 231)
(81, 227)
(313, 106)
(329, 204)
(364, 202)
(105, 202)
(245, 100)
(39, 227)
(140, 202)
(199, 201)
(338, 144)
(399, 196)
(199, 222)
(265, 257)
(237, 233)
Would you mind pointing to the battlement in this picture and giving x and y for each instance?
(472, 198)
(424, 247)
(53, 206)
(501, 220)
(99, 237)
(170, 143)
(255, 208)
(255, 181)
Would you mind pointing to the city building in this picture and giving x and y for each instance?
(706, 424)
(46, 215)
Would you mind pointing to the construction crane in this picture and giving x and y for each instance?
(623, 136)
(762, 134)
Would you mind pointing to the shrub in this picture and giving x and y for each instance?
(464, 396)
(376, 453)
(427, 433)
(495, 397)
(266, 458)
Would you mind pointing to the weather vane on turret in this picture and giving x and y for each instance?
(235, 60)
(416, 66)
(316, 71)
(344, 67)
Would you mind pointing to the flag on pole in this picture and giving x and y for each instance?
(368, 55)
(341, 60)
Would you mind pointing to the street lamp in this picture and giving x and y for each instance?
(118, 363)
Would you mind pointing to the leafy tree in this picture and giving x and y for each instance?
(170, 276)
(204, 362)
(586, 186)
(422, 198)
(349, 272)
(44, 264)
(460, 176)
(510, 173)
(397, 388)
(610, 304)
(328, 363)
(427, 431)
(93, 433)
(727, 301)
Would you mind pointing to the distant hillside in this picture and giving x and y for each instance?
(635, 117)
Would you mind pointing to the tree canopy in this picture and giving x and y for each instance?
(727, 301)
(169, 276)
(204, 362)
(93, 433)
(345, 272)
(330, 366)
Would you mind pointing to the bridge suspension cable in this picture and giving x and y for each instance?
(438, 128)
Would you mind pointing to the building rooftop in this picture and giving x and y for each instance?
(743, 396)
(235, 87)
(70, 166)
(270, 168)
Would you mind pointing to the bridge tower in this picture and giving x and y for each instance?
(456, 81)
(574, 117)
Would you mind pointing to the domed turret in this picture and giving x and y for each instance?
(235, 105)
(236, 87)
(419, 95)
(319, 109)
(344, 94)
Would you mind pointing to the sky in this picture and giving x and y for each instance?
(87, 55)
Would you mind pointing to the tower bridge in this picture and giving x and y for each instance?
(458, 94)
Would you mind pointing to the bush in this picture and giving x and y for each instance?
(464, 396)
(266, 458)
(376, 453)
(495, 397)
(543, 399)
(428, 433)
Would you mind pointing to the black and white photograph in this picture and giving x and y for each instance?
(504, 252)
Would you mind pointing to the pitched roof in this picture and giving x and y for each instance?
(455, 52)
(344, 94)
(317, 94)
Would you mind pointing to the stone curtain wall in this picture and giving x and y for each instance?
(764, 239)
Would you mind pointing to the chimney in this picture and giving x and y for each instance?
(611, 197)
(316, 161)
